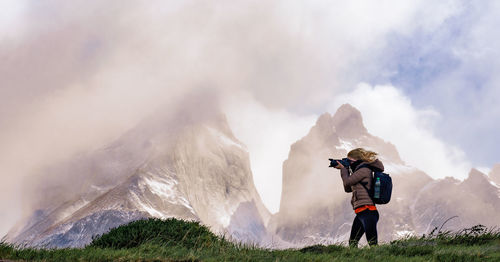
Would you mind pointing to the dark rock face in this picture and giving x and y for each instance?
(315, 209)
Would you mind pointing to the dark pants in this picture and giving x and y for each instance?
(364, 222)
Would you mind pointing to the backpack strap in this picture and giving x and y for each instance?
(364, 165)
(370, 195)
(365, 183)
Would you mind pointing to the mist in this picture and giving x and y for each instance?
(77, 75)
(80, 74)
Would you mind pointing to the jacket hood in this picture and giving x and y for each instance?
(377, 164)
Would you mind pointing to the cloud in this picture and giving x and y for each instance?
(82, 73)
(452, 68)
(77, 74)
(389, 114)
(468, 96)
(11, 18)
(268, 134)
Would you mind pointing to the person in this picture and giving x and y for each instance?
(362, 162)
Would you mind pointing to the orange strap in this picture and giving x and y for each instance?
(363, 208)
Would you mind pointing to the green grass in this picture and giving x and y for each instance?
(177, 240)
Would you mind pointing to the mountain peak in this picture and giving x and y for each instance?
(477, 179)
(348, 121)
(324, 118)
(324, 122)
(180, 161)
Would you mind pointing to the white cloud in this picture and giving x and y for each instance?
(389, 114)
(268, 135)
(11, 15)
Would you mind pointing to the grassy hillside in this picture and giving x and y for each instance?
(177, 240)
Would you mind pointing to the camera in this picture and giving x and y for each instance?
(344, 161)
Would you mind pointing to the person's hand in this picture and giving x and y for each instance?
(339, 165)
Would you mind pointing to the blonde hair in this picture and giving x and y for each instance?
(362, 154)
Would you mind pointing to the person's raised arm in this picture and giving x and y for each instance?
(344, 172)
(350, 180)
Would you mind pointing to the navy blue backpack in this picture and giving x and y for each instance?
(381, 190)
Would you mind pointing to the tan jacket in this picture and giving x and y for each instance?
(360, 196)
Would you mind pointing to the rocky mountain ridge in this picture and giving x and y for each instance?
(315, 209)
(197, 170)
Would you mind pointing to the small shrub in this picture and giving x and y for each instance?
(475, 235)
(169, 232)
(320, 249)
